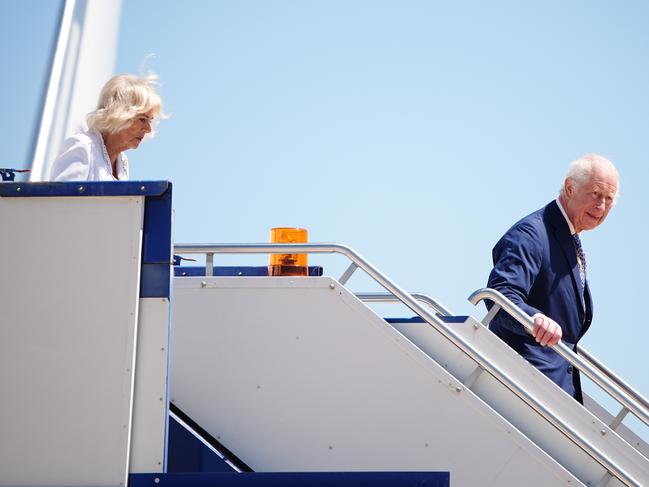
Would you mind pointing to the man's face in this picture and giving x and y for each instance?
(588, 205)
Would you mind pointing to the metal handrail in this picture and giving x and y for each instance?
(615, 378)
(442, 311)
(431, 319)
(585, 366)
(391, 298)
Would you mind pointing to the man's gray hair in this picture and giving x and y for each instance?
(581, 169)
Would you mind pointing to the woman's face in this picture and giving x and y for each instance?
(131, 136)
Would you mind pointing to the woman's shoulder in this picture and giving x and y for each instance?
(82, 140)
(75, 158)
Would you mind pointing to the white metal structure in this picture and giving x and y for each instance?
(83, 358)
(305, 377)
(83, 60)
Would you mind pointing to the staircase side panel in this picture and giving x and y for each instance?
(296, 374)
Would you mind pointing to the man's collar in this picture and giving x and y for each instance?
(565, 215)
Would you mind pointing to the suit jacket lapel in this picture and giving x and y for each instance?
(563, 236)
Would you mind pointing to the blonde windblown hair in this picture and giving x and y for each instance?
(122, 98)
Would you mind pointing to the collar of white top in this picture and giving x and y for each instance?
(120, 157)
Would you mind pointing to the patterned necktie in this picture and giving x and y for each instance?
(581, 259)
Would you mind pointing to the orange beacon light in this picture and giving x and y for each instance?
(288, 264)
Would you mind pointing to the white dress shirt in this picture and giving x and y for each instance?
(84, 158)
(565, 215)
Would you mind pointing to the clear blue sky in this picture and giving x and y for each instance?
(415, 131)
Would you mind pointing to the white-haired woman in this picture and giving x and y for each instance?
(127, 108)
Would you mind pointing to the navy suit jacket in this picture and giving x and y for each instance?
(535, 266)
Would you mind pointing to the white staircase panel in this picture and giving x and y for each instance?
(150, 409)
(526, 419)
(69, 292)
(296, 374)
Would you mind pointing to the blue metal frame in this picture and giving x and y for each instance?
(86, 188)
(157, 246)
(241, 271)
(418, 319)
(293, 479)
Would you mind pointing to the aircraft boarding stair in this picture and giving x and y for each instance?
(299, 374)
(289, 374)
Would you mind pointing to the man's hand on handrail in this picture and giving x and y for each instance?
(546, 330)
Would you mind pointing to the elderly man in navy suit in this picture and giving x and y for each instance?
(540, 265)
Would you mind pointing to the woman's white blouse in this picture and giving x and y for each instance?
(84, 158)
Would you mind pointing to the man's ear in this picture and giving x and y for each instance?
(568, 187)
